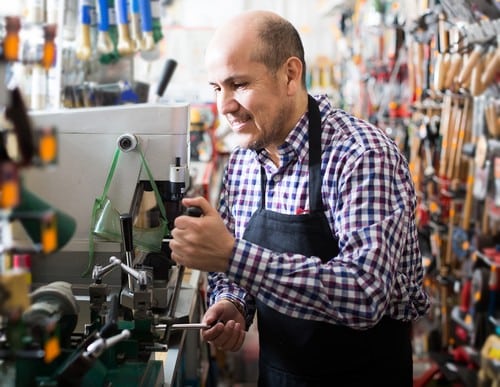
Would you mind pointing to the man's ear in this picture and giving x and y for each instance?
(294, 70)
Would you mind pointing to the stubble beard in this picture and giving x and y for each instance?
(274, 134)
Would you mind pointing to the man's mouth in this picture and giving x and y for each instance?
(238, 124)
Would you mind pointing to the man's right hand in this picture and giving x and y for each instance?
(228, 331)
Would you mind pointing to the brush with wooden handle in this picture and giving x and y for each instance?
(104, 42)
(124, 46)
(135, 25)
(148, 42)
(84, 49)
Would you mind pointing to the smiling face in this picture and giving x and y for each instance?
(259, 104)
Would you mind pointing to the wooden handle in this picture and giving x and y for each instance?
(470, 62)
(443, 34)
(455, 137)
(491, 119)
(135, 25)
(469, 195)
(476, 86)
(439, 71)
(456, 61)
(124, 45)
(84, 50)
(104, 42)
(491, 69)
(446, 133)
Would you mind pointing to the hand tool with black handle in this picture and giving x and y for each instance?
(190, 211)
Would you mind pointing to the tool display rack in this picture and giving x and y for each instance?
(454, 158)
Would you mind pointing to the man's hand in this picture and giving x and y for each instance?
(202, 243)
(228, 333)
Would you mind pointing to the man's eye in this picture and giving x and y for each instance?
(240, 85)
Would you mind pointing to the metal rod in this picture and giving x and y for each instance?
(185, 326)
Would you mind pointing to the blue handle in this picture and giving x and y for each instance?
(146, 16)
(103, 15)
(134, 6)
(122, 11)
(85, 12)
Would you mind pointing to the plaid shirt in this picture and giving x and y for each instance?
(370, 206)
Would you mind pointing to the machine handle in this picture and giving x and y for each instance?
(168, 71)
(126, 225)
(194, 211)
(139, 275)
(111, 324)
(97, 347)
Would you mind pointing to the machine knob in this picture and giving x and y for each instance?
(127, 142)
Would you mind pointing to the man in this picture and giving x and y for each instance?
(315, 228)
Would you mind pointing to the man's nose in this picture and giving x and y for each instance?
(226, 102)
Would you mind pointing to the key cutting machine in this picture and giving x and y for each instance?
(124, 301)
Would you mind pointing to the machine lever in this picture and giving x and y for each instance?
(139, 275)
(168, 71)
(97, 347)
(191, 326)
(100, 271)
(126, 225)
(190, 211)
(128, 245)
(111, 324)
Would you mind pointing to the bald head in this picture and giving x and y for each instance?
(269, 38)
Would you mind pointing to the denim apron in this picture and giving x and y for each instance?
(296, 352)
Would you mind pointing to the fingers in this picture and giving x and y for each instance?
(236, 339)
(200, 202)
(227, 337)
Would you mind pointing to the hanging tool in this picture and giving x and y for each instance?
(84, 49)
(11, 39)
(104, 42)
(148, 42)
(156, 18)
(492, 68)
(446, 133)
(461, 244)
(456, 119)
(17, 113)
(442, 62)
(456, 57)
(135, 25)
(124, 46)
(49, 47)
(480, 36)
(9, 179)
